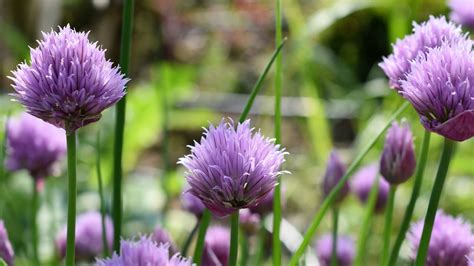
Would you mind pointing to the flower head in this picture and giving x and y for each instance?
(441, 89)
(398, 162)
(249, 221)
(144, 252)
(462, 12)
(364, 180)
(451, 240)
(160, 236)
(68, 82)
(265, 205)
(35, 146)
(344, 253)
(232, 167)
(192, 204)
(429, 34)
(216, 246)
(334, 172)
(89, 242)
(6, 250)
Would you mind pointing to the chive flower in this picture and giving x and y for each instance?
(68, 81)
(429, 34)
(334, 172)
(192, 204)
(35, 146)
(144, 252)
(451, 241)
(249, 221)
(344, 253)
(216, 246)
(441, 89)
(364, 180)
(398, 162)
(462, 12)
(6, 250)
(232, 167)
(161, 236)
(89, 243)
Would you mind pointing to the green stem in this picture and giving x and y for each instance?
(260, 244)
(276, 243)
(34, 222)
(434, 201)
(388, 224)
(203, 224)
(332, 195)
(105, 244)
(244, 249)
(3, 149)
(367, 223)
(125, 48)
(234, 238)
(423, 155)
(189, 239)
(335, 214)
(258, 85)
(71, 194)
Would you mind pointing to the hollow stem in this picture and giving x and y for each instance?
(276, 243)
(244, 249)
(34, 222)
(234, 238)
(332, 195)
(203, 225)
(125, 48)
(388, 224)
(105, 244)
(71, 195)
(335, 218)
(190, 237)
(434, 201)
(423, 155)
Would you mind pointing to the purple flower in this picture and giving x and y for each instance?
(89, 242)
(160, 236)
(232, 168)
(398, 162)
(6, 250)
(427, 35)
(35, 146)
(451, 240)
(363, 182)
(192, 204)
(249, 221)
(216, 247)
(462, 12)
(144, 252)
(441, 89)
(68, 82)
(344, 250)
(334, 172)
(265, 205)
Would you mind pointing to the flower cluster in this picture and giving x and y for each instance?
(35, 146)
(216, 246)
(363, 181)
(232, 167)
(68, 82)
(344, 250)
(398, 162)
(334, 172)
(427, 35)
(144, 252)
(451, 242)
(89, 242)
(462, 12)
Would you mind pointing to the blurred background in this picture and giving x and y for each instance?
(194, 62)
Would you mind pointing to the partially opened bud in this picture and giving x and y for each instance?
(334, 172)
(398, 161)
